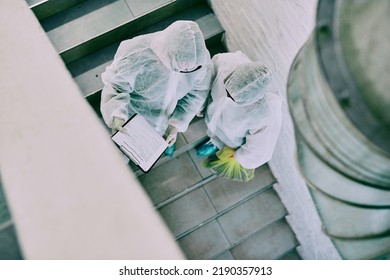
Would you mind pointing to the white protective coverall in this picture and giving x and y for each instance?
(145, 77)
(251, 124)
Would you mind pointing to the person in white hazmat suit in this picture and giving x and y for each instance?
(164, 76)
(243, 113)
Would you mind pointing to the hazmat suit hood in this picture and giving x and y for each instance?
(251, 125)
(181, 46)
(248, 82)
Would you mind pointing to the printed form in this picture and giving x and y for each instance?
(141, 143)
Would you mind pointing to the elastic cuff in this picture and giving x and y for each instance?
(177, 125)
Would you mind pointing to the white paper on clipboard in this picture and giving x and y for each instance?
(141, 142)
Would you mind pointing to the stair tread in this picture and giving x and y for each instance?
(212, 238)
(5, 214)
(84, 22)
(87, 71)
(168, 180)
(292, 255)
(193, 210)
(187, 212)
(92, 25)
(249, 217)
(46, 8)
(268, 243)
(141, 7)
(205, 242)
(10, 248)
(226, 193)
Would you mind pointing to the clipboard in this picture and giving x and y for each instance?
(141, 143)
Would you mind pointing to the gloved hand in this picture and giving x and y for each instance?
(171, 135)
(206, 149)
(224, 164)
(117, 125)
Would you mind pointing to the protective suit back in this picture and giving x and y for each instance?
(146, 77)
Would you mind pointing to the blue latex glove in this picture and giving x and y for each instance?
(206, 149)
(170, 150)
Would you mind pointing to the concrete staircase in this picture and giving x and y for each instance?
(210, 217)
(9, 247)
(216, 218)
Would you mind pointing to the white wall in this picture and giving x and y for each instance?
(69, 193)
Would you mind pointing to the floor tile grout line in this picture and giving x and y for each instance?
(131, 12)
(216, 210)
(196, 166)
(249, 236)
(185, 191)
(220, 253)
(268, 186)
(224, 233)
(223, 212)
(287, 252)
(218, 223)
(281, 217)
(208, 220)
(211, 200)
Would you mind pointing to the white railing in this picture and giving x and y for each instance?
(69, 193)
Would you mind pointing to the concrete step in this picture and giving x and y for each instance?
(87, 70)
(265, 241)
(46, 8)
(268, 243)
(292, 255)
(183, 174)
(9, 247)
(215, 218)
(4, 212)
(92, 25)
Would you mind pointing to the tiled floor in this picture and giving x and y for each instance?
(217, 218)
(279, 237)
(167, 180)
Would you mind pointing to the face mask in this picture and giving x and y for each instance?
(229, 96)
(197, 68)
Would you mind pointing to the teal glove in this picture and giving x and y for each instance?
(170, 150)
(206, 149)
(117, 125)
